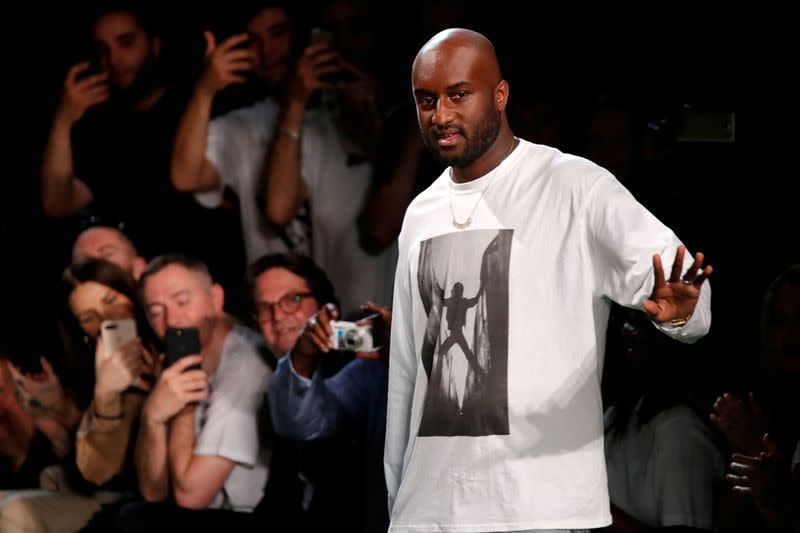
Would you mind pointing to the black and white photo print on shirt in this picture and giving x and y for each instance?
(465, 349)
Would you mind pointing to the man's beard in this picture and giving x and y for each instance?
(475, 145)
(149, 78)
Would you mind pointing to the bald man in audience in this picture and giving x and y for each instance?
(110, 244)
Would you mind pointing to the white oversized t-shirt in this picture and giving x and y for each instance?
(494, 418)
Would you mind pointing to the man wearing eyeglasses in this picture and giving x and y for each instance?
(287, 290)
(294, 303)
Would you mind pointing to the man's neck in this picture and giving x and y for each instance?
(212, 354)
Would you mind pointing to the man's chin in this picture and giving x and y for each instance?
(445, 157)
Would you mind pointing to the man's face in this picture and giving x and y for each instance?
(125, 48)
(271, 31)
(108, 244)
(456, 107)
(176, 297)
(279, 327)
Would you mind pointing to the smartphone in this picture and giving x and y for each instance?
(320, 34)
(116, 333)
(180, 342)
(91, 53)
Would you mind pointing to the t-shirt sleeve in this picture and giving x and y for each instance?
(623, 236)
(230, 426)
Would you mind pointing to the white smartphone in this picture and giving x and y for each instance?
(116, 333)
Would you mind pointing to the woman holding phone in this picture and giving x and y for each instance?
(105, 324)
(110, 364)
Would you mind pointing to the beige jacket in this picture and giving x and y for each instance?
(102, 444)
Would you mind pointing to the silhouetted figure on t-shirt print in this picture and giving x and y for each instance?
(456, 316)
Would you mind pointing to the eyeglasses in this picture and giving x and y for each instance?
(289, 303)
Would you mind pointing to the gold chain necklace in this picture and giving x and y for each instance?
(466, 223)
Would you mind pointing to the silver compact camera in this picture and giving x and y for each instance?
(351, 337)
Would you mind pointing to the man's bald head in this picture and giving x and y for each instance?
(459, 44)
(461, 99)
(101, 242)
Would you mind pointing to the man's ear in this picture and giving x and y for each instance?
(501, 95)
(218, 297)
(139, 265)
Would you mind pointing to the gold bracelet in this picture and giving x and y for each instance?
(289, 132)
(680, 322)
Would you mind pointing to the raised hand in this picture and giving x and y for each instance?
(79, 94)
(175, 389)
(361, 93)
(317, 60)
(742, 425)
(225, 63)
(317, 333)
(766, 477)
(40, 393)
(385, 317)
(675, 299)
(122, 369)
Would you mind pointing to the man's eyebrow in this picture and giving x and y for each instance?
(181, 292)
(458, 85)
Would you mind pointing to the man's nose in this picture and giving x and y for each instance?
(277, 313)
(175, 320)
(442, 114)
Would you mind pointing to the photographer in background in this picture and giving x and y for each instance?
(294, 301)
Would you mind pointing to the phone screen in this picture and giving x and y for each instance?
(320, 34)
(179, 343)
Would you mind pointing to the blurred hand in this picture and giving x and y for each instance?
(741, 425)
(766, 476)
(317, 60)
(16, 425)
(40, 393)
(315, 337)
(361, 94)
(80, 94)
(225, 63)
(175, 389)
(385, 317)
(122, 369)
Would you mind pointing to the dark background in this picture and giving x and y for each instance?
(734, 201)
